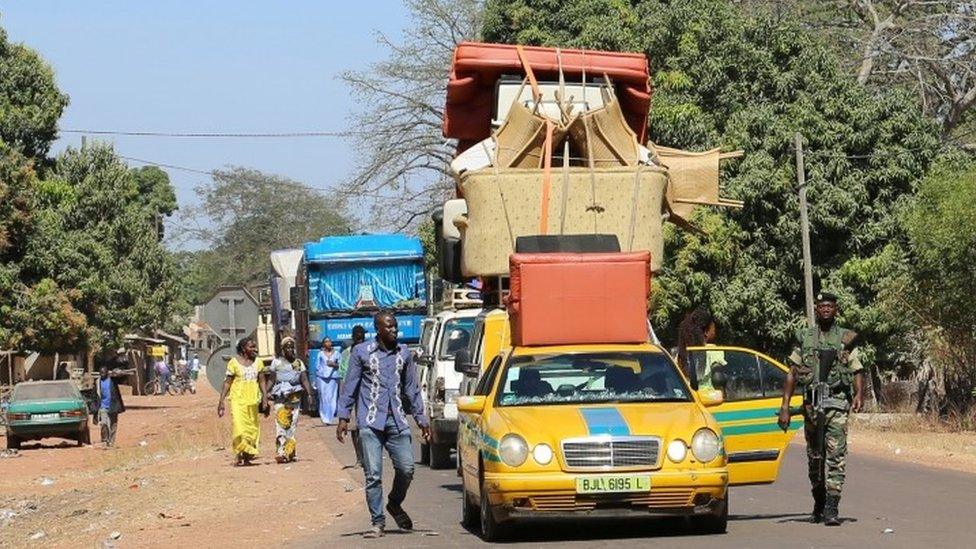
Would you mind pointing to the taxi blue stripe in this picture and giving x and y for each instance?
(739, 415)
(605, 421)
(759, 428)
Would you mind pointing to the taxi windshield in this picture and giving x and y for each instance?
(586, 378)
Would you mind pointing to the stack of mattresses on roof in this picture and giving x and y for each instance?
(567, 159)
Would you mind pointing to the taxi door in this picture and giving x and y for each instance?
(752, 394)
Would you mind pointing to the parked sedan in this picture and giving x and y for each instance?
(41, 409)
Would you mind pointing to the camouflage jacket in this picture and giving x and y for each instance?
(806, 362)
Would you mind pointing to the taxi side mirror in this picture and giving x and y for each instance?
(711, 397)
(471, 404)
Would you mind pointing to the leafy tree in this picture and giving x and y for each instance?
(922, 45)
(931, 283)
(251, 214)
(93, 236)
(30, 102)
(725, 80)
(156, 193)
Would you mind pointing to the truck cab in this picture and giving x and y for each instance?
(442, 336)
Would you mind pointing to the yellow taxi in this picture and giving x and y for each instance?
(609, 431)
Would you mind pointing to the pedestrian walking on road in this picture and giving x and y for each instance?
(825, 345)
(195, 367)
(248, 391)
(110, 405)
(382, 384)
(327, 381)
(358, 336)
(287, 379)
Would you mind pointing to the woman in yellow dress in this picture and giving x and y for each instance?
(247, 391)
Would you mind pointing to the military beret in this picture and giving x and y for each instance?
(826, 296)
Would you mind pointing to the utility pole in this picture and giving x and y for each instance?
(801, 185)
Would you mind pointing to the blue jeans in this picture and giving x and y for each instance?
(400, 447)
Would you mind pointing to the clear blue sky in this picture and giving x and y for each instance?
(213, 66)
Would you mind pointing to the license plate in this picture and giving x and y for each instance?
(605, 484)
(45, 417)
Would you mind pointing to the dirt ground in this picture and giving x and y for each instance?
(170, 481)
(911, 438)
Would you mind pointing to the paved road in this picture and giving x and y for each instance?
(924, 507)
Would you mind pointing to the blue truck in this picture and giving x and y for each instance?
(344, 280)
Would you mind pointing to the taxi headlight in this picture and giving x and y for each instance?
(542, 454)
(677, 450)
(513, 450)
(705, 445)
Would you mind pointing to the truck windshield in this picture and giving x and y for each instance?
(591, 378)
(456, 336)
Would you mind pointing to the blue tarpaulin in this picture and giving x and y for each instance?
(351, 286)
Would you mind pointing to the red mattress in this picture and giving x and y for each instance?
(477, 67)
(559, 299)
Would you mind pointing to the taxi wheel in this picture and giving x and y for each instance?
(714, 524)
(491, 530)
(13, 441)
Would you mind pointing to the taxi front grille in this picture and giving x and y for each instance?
(655, 499)
(611, 452)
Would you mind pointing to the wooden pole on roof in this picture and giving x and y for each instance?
(801, 185)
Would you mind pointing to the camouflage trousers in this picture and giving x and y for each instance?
(835, 429)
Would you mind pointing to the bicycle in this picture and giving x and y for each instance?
(183, 384)
(155, 387)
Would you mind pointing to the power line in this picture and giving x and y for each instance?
(213, 173)
(232, 135)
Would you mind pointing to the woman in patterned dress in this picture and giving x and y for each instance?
(287, 379)
(247, 391)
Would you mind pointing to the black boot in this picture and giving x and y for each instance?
(830, 511)
(819, 499)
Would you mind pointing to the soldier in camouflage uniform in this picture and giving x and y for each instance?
(845, 381)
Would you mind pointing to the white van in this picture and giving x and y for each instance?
(441, 337)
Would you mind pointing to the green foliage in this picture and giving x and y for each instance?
(253, 214)
(724, 80)
(30, 102)
(93, 235)
(44, 319)
(594, 24)
(929, 288)
(17, 181)
(428, 239)
(155, 190)
(81, 263)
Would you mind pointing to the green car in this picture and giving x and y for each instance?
(41, 409)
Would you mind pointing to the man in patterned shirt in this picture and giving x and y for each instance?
(382, 383)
